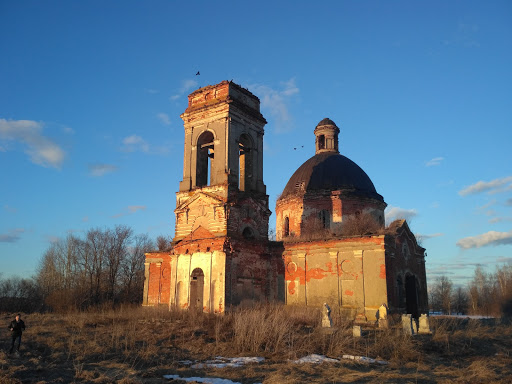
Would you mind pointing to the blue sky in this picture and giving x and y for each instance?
(91, 93)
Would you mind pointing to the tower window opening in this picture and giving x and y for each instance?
(248, 233)
(286, 228)
(244, 163)
(205, 156)
(321, 142)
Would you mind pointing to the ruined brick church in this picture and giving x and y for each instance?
(222, 257)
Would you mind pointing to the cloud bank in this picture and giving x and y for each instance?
(435, 161)
(129, 210)
(186, 86)
(98, 170)
(276, 102)
(393, 213)
(426, 237)
(491, 187)
(486, 239)
(12, 236)
(164, 118)
(41, 150)
(135, 143)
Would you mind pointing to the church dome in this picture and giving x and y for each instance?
(330, 171)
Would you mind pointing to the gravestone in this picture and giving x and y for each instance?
(424, 324)
(407, 324)
(382, 315)
(326, 316)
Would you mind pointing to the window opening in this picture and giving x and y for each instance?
(205, 155)
(321, 142)
(248, 233)
(286, 226)
(244, 163)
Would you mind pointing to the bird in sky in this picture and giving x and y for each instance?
(197, 74)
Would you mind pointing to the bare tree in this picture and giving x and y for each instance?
(362, 224)
(460, 301)
(480, 292)
(19, 295)
(132, 274)
(441, 295)
(118, 241)
(163, 243)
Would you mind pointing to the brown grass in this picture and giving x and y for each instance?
(140, 345)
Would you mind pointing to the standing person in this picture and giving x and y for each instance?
(17, 327)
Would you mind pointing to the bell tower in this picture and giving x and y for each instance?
(222, 189)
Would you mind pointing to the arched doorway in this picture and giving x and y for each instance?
(196, 289)
(411, 296)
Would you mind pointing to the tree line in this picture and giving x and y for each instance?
(487, 293)
(102, 267)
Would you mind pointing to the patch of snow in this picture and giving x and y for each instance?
(315, 359)
(231, 362)
(364, 359)
(206, 380)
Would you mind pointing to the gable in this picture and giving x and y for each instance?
(200, 198)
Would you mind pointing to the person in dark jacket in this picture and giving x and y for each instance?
(17, 327)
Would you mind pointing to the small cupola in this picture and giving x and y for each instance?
(326, 133)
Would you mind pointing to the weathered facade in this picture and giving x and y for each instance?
(221, 254)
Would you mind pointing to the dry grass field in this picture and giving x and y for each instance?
(141, 345)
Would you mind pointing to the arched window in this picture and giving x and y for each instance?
(400, 291)
(248, 233)
(325, 219)
(244, 163)
(321, 142)
(205, 152)
(286, 228)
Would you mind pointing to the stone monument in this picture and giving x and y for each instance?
(424, 325)
(382, 316)
(326, 316)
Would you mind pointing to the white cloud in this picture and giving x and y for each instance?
(486, 239)
(68, 130)
(164, 118)
(135, 208)
(508, 202)
(393, 213)
(495, 220)
(98, 170)
(151, 91)
(135, 143)
(12, 236)
(434, 161)
(42, 150)
(129, 210)
(276, 102)
(186, 86)
(491, 187)
(488, 204)
(426, 237)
